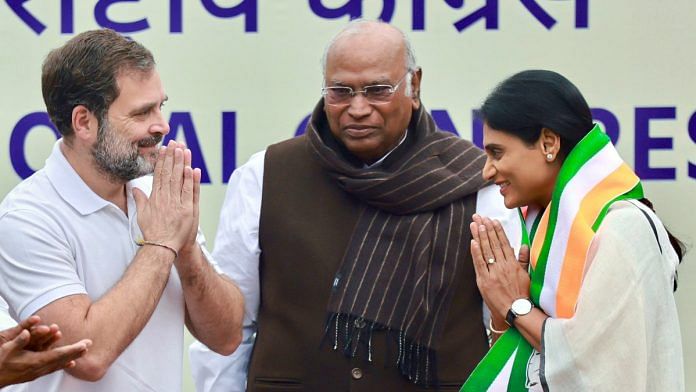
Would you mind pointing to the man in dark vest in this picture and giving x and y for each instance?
(351, 242)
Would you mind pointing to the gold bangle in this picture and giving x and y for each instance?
(490, 327)
(146, 242)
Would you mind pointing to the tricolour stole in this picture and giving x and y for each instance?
(592, 177)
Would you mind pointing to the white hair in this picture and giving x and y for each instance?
(357, 26)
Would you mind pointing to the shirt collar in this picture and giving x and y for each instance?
(69, 185)
(379, 162)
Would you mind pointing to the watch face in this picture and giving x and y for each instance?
(522, 306)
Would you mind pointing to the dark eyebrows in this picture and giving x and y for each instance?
(492, 147)
(147, 107)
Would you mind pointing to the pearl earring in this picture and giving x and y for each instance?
(549, 157)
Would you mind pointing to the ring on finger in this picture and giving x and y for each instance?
(490, 261)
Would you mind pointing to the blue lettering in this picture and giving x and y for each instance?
(418, 19)
(692, 135)
(19, 137)
(176, 16)
(644, 143)
(489, 12)
(229, 144)
(582, 14)
(476, 129)
(542, 16)
(352, 8)
(67, 19)
(122, 27)
(30, 20)
(609, 121)
(444, 121)
(303, 125)
(247, 7)
(184, 121)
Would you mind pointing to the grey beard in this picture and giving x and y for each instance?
(116, 164)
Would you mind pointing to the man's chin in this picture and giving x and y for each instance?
(366, 150)
(146, 164)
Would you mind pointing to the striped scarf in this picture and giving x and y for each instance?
(592, 177)
(399, 267)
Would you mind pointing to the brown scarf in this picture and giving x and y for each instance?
(399, 267)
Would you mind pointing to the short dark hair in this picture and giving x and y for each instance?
(84, 72)
(528, 101)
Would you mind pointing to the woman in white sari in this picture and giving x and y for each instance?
(588, 305)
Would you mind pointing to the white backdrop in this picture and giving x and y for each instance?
(242, 75)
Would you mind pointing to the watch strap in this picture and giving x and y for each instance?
(510, 317)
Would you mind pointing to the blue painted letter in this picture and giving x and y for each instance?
(184, 120)
(19, 136)
(645, 143)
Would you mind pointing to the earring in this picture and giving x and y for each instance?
(549, 157)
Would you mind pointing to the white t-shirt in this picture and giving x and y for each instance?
(237, 253)
(59, 238)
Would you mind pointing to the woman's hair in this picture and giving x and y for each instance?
(525, 103)
(528, 101)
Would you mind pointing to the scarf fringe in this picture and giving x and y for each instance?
(353, 336)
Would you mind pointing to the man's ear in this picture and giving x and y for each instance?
(415, 88)
(550, 144)
(84, 123)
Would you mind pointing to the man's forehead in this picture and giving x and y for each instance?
(139, 88)
(368, 63)
(366, 43)
(134, 74)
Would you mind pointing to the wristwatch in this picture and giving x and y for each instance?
(520, 307)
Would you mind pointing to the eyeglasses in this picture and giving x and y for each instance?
(376, 94)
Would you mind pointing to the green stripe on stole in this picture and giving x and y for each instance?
(587, 148)
(511, 342)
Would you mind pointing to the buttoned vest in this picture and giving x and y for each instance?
(306, 223)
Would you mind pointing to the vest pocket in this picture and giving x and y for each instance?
(277, 384)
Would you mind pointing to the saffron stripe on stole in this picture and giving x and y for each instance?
(586, 149)
(617, 183)
(601, 165)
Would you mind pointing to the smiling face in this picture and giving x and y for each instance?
(374, 56)
(126, 145)
(524, 173)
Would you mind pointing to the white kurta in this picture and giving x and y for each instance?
(237, 251)
(625, 334)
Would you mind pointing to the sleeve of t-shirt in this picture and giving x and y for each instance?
(37, 265)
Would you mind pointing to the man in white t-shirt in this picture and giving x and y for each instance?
(83, 246)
